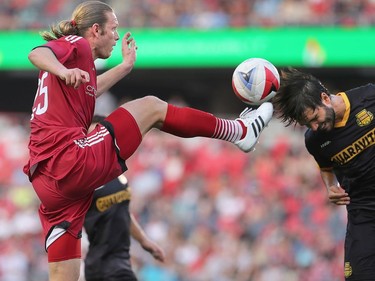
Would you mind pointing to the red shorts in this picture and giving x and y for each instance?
(65, 182)
(66, 247)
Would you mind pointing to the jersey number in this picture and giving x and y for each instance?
(41, 97)
(41, 104)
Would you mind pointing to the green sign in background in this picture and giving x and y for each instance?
(185, 48)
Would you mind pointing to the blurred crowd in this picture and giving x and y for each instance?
(219, 214)
(37, 14)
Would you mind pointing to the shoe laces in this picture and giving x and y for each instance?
(248, 114)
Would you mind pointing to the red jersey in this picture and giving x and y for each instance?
(66, 164)
(61, 113)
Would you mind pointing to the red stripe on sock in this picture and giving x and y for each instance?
(244, 129)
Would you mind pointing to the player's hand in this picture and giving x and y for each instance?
(338, 196)
(154, 250)
(74, 77)
(129, 50)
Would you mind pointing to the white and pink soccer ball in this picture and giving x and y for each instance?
(255, 81)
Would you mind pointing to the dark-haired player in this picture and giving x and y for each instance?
(109, 226)
(341, 137)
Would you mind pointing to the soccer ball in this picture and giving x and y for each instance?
(255, 81)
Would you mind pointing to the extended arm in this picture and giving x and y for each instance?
(150, 246)
(44, 59)
(109, 78)
(336, 194)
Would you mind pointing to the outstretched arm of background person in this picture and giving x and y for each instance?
(109, 78)
(150, 246)
(44, 59)
(336, 194)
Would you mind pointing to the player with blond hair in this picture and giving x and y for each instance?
(67, 163)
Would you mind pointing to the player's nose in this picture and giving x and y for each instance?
(314, 126)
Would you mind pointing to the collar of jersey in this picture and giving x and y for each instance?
(342, 123)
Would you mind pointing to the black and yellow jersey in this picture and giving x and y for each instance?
(107, 225)
(349, 148)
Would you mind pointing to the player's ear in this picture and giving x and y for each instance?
(326, 100)
(95, 28)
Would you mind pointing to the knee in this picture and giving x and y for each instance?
(153, 104)
(153, 101)
(149, 110)
(156, 107)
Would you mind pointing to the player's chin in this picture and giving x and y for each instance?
(105, 56)
(325, 130)
(326, 127)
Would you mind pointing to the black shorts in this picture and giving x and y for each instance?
(110, 269)
(360, 246)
